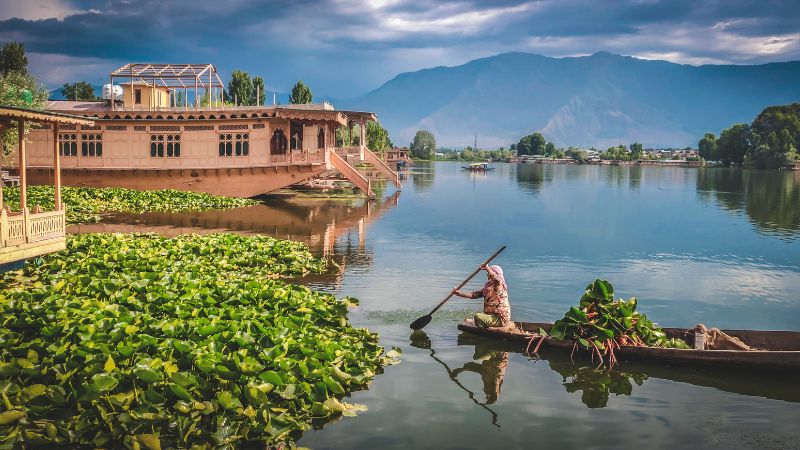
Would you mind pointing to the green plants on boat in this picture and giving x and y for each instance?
(601, 324)
(84, 205)
(142, 341)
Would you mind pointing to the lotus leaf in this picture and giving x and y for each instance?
(84, 205)
(143, 341)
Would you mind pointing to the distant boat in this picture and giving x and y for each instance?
(478, 167)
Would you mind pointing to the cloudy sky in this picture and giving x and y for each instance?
(343, 48)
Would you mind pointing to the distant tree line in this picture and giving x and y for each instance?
(770, 141)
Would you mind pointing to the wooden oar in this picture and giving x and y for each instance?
(426, 319)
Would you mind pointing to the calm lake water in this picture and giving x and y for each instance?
(713, 246)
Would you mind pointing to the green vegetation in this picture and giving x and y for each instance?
(600, 324)
(18, 88)
(533, 144)
(469, 154)
(378, 137)
(618, 153)
(259, 94)
(142, 341)
(423, 146)
(770, 141)
(78, 91)
(301, 94)
(240, 88)
(85, 204)
(13, 58)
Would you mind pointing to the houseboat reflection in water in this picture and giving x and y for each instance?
(316, 222)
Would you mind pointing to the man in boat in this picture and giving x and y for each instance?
(496, 309)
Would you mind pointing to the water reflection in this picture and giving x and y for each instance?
(771, 199)
(596, 384)
(335, 229)
(491, 370)
(422, 175)
(530, 177)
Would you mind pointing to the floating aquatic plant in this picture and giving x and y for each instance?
(84, 205)
(142, 341)
(601, 324)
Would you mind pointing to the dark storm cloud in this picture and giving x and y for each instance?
(345, 47)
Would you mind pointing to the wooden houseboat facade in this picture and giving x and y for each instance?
(208, 146)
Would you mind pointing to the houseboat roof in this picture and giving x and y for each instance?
(14, 113)
(311, 111)
(171, 75)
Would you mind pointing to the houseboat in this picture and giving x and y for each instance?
(170, 126)
(400, 157)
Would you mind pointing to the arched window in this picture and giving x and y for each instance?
(321, 138)
(278, 144)
(296, 136)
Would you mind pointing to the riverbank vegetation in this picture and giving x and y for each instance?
(142, 341)
(84, 205)
(770, 141)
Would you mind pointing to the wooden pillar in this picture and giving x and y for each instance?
(23, 172)
(2, 183)
(56, 168)
(195, 92)
(209, 89)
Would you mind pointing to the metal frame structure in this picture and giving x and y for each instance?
(173, 77)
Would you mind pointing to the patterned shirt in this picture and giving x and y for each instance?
(495, 299)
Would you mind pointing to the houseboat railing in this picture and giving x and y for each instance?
(40, 227)
(348, 150)
(279, 159)
(46, 225)
(316, 157)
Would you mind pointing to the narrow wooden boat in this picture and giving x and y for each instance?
(478, 167)
(777, 350)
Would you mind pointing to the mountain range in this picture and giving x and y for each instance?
(599, 100)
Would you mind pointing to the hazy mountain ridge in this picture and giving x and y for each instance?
(598, 100)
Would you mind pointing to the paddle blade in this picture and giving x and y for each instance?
(421, 322)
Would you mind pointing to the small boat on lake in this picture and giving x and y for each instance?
(478, 167)
(777, 350)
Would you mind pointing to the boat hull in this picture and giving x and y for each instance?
(782, 348)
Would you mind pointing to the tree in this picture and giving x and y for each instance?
(636, 151)
(533, 144)
(708, 147)
(616, 153)
(259, 95)
(579, 155)
(424, 145)
(377, 137)
(13, 59)
(736, 142)
(22, 90)
(301, 94)
(240, 88)
(78, 91)
(550, 149)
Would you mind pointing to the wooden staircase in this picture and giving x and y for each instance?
(349, 172)
(382, 167)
